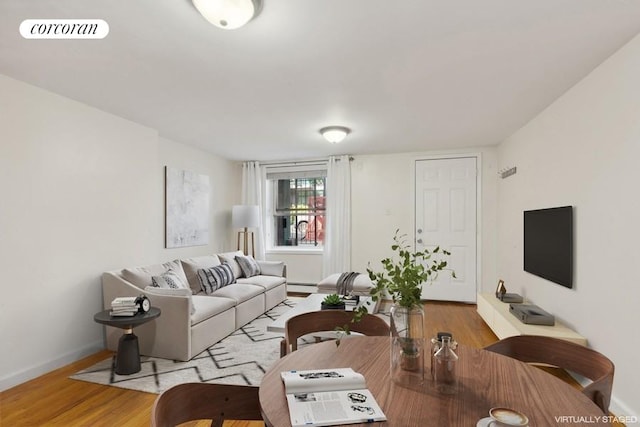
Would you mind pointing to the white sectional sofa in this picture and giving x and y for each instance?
(192, 320)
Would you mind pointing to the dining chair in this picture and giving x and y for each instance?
(203, 401)
(566, 355)
(328, 320)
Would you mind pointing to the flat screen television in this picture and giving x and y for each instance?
(548, 244)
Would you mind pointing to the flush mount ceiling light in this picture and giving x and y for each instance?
(228, 14)
(335, 134)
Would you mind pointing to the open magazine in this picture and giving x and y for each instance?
(327, 397)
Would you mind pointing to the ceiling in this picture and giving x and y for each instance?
(411, 75)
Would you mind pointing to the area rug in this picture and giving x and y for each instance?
(241, 358)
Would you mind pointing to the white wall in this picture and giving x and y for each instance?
(82, 192)
(302, 267)
(383, 200)
(584, 151)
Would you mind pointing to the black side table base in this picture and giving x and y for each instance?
(128, 357)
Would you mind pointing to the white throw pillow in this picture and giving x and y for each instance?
(170, 279)
(142, 276)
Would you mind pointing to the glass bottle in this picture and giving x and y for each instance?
(436, 343)
(444, 373)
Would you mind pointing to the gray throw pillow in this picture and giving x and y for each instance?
(248, 265)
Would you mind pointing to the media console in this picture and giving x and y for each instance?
(496, 314)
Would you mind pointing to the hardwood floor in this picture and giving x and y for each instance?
(55, 400)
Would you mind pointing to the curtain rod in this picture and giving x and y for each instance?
(319, 160)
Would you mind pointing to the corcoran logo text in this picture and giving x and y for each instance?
(64, 29)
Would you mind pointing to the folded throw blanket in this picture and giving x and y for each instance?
(344, 284)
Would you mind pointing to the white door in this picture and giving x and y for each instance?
(446, 216)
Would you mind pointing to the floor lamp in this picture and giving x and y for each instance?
(245, 217)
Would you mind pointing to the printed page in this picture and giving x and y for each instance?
(333, 408)
(322, 380)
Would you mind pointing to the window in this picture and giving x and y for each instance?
(295, 199)
(299, 211)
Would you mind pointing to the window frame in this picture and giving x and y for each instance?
(272, 211)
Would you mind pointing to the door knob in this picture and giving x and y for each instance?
(420, 241)
(419, 230)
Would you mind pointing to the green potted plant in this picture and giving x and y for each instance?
(332, 302)
(402, 277)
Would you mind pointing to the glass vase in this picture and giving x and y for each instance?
(407, 345)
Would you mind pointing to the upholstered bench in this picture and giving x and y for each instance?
(362, 285)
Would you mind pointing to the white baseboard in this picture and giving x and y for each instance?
(621, 410)
(616, 406)
(302, 287)
(13, 380)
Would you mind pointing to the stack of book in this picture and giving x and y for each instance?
(124, 306)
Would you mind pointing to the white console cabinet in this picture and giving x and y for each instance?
(504, 324)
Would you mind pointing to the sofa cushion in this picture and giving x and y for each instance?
(248, 265)
(208, 306)
(192, 265)
(182, 292)
(215, 278)
(142, 276)
(170, 279)
(239, 292)
(230, 258)
(266, 282)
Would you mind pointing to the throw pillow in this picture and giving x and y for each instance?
(192, 265)
(230, 258)
(141, 276)
(169, 279)
(248, 265)
(214, 278)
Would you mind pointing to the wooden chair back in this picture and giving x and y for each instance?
(202, 401)
(328, 320)
(566, 355)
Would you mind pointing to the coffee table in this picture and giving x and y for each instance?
(312, 303)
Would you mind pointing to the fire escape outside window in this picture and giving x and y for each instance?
(300, 212)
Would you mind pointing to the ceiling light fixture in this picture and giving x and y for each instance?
(335, 134)
(228, 14)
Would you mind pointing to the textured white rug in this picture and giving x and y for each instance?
(241, 358)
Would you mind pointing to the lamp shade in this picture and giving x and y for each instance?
(245, 216)
(228, 14)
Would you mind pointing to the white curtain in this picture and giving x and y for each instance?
(337, 243)
(253, 181)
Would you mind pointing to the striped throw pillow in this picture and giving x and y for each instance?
(214, 278)
(248, 265)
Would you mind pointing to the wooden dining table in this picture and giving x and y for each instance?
(485, 380)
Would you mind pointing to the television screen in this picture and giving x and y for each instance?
(548, 244)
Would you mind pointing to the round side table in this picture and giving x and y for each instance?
(128, 356)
